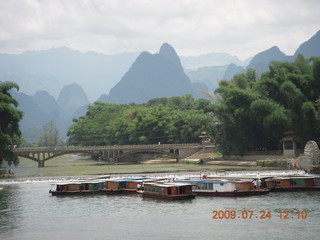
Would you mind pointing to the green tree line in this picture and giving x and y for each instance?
(164, 120)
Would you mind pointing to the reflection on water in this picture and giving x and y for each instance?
(29, 212)
(10, 208)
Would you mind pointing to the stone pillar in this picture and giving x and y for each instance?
(40, 163)
(289, 145)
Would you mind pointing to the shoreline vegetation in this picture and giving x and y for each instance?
(78, 165)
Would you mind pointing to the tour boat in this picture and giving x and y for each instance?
(169, 191)
(136, 185)
(226, 188)
(97, 186)
(82, 188)
(293, 183)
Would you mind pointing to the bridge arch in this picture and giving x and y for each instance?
(41, 155)
(128, 153)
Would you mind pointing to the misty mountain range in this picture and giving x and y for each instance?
(57, 84)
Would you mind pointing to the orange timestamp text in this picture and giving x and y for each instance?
(263, 214)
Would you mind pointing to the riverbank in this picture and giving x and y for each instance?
(77, 165)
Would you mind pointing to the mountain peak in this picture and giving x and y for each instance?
(72, 97)
(310, 48)
(274, 48)
(166, 47)
(261, 60)
(168, 52)
(152, 76)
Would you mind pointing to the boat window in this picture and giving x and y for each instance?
(221, 184)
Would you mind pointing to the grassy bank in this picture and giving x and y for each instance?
(73, 165)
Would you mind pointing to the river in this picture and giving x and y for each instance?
(29, 212)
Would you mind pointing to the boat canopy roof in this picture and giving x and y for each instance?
(93, 182)
(168, 185)
(126, 179)
(218, 181)
(278, 178)
(303, 177)
(64, 184)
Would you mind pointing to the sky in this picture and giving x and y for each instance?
(241, 28)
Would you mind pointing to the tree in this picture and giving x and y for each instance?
(9, 123)
(49, 135)
(165, 120)
(254, 114)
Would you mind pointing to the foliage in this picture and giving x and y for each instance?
(254, 114)
(49, 135)
(9, 123)
(164, 120)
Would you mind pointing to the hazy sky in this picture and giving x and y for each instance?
(193, 27)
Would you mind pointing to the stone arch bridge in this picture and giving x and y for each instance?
(110, 153)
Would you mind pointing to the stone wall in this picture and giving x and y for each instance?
(186, 152)
(254, 157)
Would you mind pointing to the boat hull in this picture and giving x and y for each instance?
(295, 189)
(234, 193)
(84, 192)
(169, 197)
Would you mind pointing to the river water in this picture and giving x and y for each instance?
(28, 211)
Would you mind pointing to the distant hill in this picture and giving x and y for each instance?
(210, 76)
(208, 60)
(310, 48)
(51, 69)
(97, 73)
(48, 105)
(38, 110)
(232, 70)
(71, 98)
(33, 116)
(261, 60)
(42, 107)
(152, 76)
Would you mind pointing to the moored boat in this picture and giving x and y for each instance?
(169, 191)
(98, 186)
(81, 188)
(294, 183)
(226, 188)
(134, 185)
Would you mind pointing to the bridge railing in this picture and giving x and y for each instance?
(115, 147)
